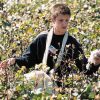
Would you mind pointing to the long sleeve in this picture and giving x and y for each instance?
(29, 57)
(91, 68)
(82, 62)
(34, 53)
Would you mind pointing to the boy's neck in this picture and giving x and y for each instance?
(59, 33)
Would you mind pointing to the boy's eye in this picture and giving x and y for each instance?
(97, 58)
(66, 20)
(61, 20)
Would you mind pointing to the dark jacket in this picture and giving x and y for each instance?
(73, 52)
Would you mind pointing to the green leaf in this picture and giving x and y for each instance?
(88, 88)
(91, 95)
(59, 96)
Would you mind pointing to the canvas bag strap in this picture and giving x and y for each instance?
(59, 58)
(48, 42)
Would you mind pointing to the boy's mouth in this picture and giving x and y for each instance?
(64, 27)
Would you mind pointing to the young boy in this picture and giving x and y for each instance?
(55, 48)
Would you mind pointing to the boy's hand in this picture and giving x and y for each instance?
(95, 57)
(7, 63)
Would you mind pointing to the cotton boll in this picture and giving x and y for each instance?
(95, 57)
(88, 66)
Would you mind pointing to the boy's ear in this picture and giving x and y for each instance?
(53, 20)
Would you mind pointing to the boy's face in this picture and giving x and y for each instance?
(60, 24)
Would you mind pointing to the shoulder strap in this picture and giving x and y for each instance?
(59, 59)
(48, 42)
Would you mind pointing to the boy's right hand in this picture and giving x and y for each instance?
(7, 63)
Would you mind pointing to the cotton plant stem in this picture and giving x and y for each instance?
(44, 86)
(6, 80)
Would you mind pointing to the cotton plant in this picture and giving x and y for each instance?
(28, 77)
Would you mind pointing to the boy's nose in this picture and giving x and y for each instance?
(65, 23)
